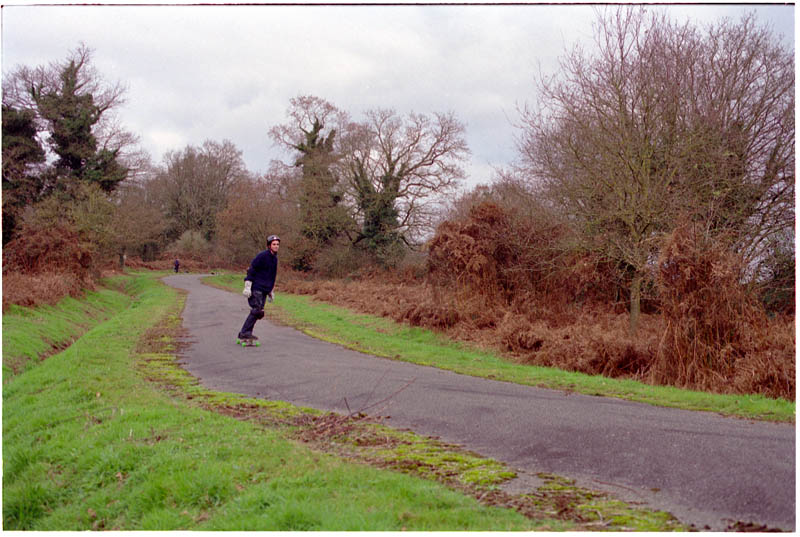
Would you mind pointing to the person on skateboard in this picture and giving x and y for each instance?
(258, 284)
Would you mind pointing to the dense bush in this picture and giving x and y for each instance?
(55, 249)
(190, 245)
(715, 328)
(521, 258)
(43, 265)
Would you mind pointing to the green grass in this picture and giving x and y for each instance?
(383, 337)
(89, 444)
(29, 334)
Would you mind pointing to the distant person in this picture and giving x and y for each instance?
(258, 285)
(177, 266)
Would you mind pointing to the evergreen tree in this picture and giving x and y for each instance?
(320, 198)
(72, 106)
(21, 150)
(379, 233)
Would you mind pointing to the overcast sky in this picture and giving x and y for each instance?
(228, 71)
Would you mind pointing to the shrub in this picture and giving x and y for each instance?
(341, 260)
(716, 329)
(471, 252)
(190, 245)
(42, 265)
(505, 278)
(519, 256)
(54, 249)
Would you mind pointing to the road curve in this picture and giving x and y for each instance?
(705, 469)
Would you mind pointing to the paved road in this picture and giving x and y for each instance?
(705, 469)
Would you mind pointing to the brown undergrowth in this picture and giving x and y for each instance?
(42, 266)
(715, 331)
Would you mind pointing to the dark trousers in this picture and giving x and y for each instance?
(256, 302)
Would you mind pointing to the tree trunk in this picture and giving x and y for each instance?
(122, 261)
(636, 300)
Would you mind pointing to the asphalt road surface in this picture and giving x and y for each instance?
(705, 469)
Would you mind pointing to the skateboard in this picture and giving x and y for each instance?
(248, 342)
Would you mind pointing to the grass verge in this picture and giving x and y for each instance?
(384, 337)
(33, 334)
(112, 434)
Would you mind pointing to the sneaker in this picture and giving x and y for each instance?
(247, 336)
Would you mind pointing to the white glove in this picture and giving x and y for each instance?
(247, 285)
(271, 296)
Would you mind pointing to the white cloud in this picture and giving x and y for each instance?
(161, 138)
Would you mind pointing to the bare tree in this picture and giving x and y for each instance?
(304, 113)
(396, 168)
(664, 122)
(138, 225)
(740, 100)
(255, 209)
(194, 185)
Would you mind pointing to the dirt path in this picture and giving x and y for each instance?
(705, 469)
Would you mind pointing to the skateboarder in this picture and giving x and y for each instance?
(258, 285)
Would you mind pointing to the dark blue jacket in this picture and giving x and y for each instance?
(262, 271)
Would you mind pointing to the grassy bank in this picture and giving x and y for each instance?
(384, 337)
(90, 444)
(32, 334)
